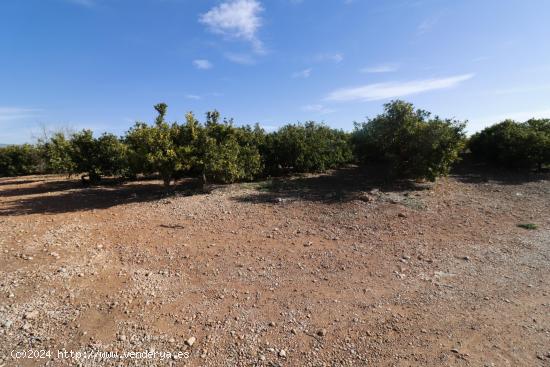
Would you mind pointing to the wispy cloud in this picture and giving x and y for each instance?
(306, 73)
(239, 58)
(317, 108)
(520, 116)
(480, 58)
(87, 3)
(332, 57)
(480, 122)
(427, 25)
(195, 97)
(202, 64)
(383, 68)
(203, 95)
(378, 91)
(16, 113)
(238, 19)
(525, 89)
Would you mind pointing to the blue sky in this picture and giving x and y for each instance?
(102, 64)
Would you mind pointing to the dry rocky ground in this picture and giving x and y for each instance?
(330, 270)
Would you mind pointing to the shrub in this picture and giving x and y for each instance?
(310, 147)
(538, 142)
(18, 160)
(409, 142)
(512, 144)
(105, 156)
(56, 152)
(156, 149)
(225, 153)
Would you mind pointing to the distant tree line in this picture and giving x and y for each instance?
(404, 141)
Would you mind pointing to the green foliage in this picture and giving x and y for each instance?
(409, 142)
(157, 149)
(18, 160)
(308, 147)
(513, 144)
(57, 154)
(104, 156)
(529, 226)
(112, 155)
(225, 153)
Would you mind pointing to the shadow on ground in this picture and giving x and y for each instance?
(479, 173)
(72, 196)
(43, 188)
(347, 184)
(15, 181)
(342, 185)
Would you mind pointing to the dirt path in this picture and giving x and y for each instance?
(318, 271)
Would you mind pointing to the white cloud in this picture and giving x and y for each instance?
(202, 64)
(243, 59)
(317, 108)
(16, 113)
(238, 19)
(520, 116)
(269, 128)
(88, 3)
(332, 57)
(519, 90)
(302, 74)
(193, 96)
(373, 92)
(426, 26)
(383, 68)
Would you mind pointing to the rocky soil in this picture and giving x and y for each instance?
(331, 270)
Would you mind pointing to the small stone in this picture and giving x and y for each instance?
(282, 353)
(308, 244)
(322, 332)
(293, 331)
(262, 358)
(172, 341)
(454, 350)
(191, 341)
(122, 338)
(7, 324)
(402, 215)
(272, 324)
(31, 315)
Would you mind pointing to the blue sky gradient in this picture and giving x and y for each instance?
(102, 64)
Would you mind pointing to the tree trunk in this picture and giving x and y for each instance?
(203, 181)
